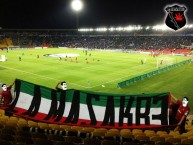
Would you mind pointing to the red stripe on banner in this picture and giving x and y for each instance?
(81, 122)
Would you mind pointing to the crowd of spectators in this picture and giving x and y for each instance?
(54, 38)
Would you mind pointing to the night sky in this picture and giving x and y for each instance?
(58, 14)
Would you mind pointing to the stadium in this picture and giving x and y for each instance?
(119, 84)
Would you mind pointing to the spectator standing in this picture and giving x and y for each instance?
(6, 97)
(63, 85)
(181, 114)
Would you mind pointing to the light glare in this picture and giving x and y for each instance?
(77, 5)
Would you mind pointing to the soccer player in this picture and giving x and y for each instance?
(161, 62)
(141, 61)
(181, 114)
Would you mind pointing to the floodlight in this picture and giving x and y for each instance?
(77, 5)
(111, 29)
(119, 28)
(101, 29)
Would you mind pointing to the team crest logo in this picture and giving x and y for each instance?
(175, 18)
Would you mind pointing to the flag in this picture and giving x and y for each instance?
(78, 107)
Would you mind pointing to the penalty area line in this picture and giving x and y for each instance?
(40, 76)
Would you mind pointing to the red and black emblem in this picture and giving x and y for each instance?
(175, 18)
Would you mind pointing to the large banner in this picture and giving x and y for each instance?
(75, 107)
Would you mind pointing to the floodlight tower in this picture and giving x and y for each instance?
(77, 6)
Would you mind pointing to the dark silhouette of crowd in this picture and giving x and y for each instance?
(99, 40)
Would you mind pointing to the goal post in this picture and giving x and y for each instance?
(3, 58)
(165, 61)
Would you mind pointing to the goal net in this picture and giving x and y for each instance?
(163, 62)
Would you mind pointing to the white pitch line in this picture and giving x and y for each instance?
(82, 68)
(116, 79)
(41, 76)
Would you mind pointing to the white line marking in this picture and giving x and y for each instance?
(117, 79)
(40, 76)
(82, 68)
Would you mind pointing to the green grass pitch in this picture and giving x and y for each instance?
(102, 72)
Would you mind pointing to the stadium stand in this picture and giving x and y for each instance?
(160, 42)
(26, 134)
(19, 131)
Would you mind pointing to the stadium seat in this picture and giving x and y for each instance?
(174, 133)
(151, 135)
(142, 138)
(14, 118)
(78, 128)
(109, 142)
(102, 130)
(3, 122)
(157, 139)
(84, 133)
(127, 137)
(161, 132)
(125, 131)
(113, 135)
(40, 141)
(99, 135)
(21, 126)
(182, 144)
(19, 143)
(32, 124)
(54, 137)
(182, 137)
(1, 126)
(73, 139)
(8, 131)
(65, 143)
(147, 142)
(164, 143)
(2, 112)
(149, 132)
(24, 139)
(91, 141)
(137, 131)
(65, 127)
(113, 130)
(22, 123)
(4, 118)
(166, 135)
(89, 129)
(38, 135)
(71, 132)
(173, 140)
(7, 137)
(187, 141)
(11, 123)
(5, 142)
(54, 126)
(131, 143)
